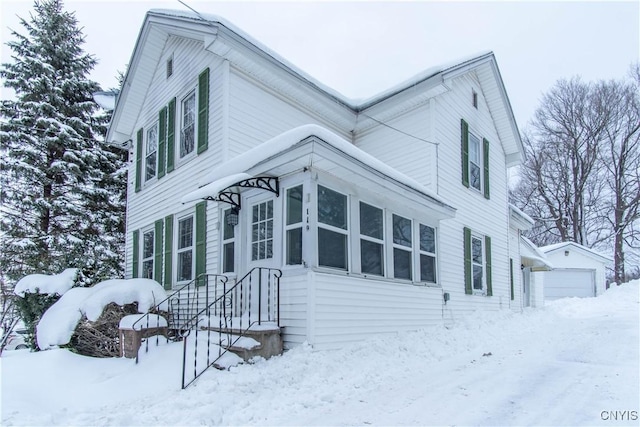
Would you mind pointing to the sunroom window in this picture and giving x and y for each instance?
(402, 245)
(427, 254)
(371, 240)
(332, 229)
(293, 226)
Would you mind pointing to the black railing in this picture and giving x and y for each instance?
(253, 302)
(174, 311)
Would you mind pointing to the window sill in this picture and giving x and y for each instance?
(376, 278)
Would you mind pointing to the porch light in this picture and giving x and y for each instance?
(232, 217)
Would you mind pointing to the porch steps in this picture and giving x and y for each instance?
(264, 340)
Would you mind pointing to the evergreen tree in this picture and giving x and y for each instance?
(61, 187)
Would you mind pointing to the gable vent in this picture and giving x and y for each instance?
(169, 67)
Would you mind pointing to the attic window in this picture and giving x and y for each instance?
(170, 67)
(474, 98)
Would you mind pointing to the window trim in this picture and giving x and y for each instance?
(328, 227)
(223, 242)
(148, 230)
(293, 226)
(480, 163)
(483, 283)
(177, 250)
(361, 237)
(193, 91)
(153, 127)
(433, 254)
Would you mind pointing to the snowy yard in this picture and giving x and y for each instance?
(575, 362)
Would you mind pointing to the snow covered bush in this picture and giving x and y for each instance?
(86, 319)
(35, 293)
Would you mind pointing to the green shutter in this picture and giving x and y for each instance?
(157, 252)
(162, 142)
(467, 262)
(511, 277)
(485, 157)
(203, 111)
(168, 247)
(138, 160)
(136, 254)
(464, 138)
(201, 237)
(487, 255)
(171, 136)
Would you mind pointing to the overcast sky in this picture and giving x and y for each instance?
(361, 48)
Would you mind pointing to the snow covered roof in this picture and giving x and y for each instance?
(575, 246)
(237, 168)
(530, 252)
(229, 42)
(519, 219)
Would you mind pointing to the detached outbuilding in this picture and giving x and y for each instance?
(578, 271)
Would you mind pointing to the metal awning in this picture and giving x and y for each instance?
(227, 189)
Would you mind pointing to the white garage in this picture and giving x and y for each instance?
(578, 271)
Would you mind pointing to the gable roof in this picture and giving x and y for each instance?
(229, 42)
(577, 247)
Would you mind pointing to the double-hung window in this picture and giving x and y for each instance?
(188, 125)
(371, 240)
(293, 226)
(475, 162)
(151, 152)
(333, 230)
(427, 254)
(228, 243)
(402, 248)
(185, 249)
(477, 263)
(147, 254)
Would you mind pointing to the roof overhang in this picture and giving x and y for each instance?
(519, 219)
(532, 257)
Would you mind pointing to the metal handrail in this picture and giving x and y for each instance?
(166, 304)
(224, 307)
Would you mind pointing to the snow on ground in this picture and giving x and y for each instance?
(574, 362)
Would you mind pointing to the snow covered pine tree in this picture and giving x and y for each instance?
(62, 189)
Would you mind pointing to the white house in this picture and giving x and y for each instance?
(578, 271)
(383, 215)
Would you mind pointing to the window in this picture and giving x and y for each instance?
(151, 148)
(402, 243)
(332, 229)
(262, 231)
(185, 249)
(477, 262)
(147, 254)
(371, 240)
(427, 254)
(474, 161)
(293, 226)
(188, 125)
(228, 243)
(169, 67)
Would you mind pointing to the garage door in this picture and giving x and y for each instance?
(562, 283)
